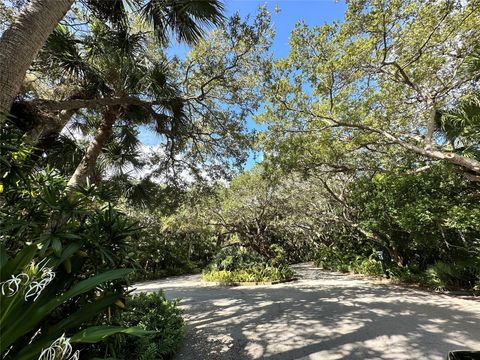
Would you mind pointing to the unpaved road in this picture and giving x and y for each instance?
(321, 316)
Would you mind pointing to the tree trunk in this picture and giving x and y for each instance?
(21, 42)
(87, 165)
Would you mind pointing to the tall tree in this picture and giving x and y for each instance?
(198, 106)
(28, 32)
(367, 93)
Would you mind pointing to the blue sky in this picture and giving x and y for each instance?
(313, 12)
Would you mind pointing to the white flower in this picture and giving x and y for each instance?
(61, 349)
(10, 287)
(35, 288)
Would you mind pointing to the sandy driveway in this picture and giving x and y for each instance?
(321, 316)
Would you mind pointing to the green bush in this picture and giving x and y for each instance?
(236, 257)
(371, 266)
(162, 250)
(465, 274)
(31, 292)
(434, 213)
(328, 258)
(63, 258)
(408, 274)
(258, 273)
(333, 258)
(355, 265)
(151, 312)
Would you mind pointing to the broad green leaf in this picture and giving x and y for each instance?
(95, 334)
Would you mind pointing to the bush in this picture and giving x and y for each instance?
(31, 292)
(162, 250)
(408, 274)
(152, 312)
(434, 213)
(63, 258)
(333, 258)
(442, 276)
(236, 258)
(371, 266)
(258, 273)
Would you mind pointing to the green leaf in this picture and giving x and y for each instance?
(31, 317)
(17, 264)
(75, 320)
(95, 334)
(57, 246)
(3, 257)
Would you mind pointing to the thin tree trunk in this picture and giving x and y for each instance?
(87, 164)
(21, 42)
(467, 163)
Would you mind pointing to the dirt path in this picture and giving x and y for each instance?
(321, 316)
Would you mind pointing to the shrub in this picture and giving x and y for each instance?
(463, 274)
(407, 274)
(371, 266)
(68, 249)
(32, 291)
(333, 258)
(258, 273)
(236, 258)
(328, 257)
(355, 265)
(151, 312)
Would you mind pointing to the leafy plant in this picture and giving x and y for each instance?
(371, 266)
(463, 274)
(32, 289)
(257, 273)
(150, 312)
(236, 258)
(57, 252)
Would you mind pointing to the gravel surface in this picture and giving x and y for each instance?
(323, 315)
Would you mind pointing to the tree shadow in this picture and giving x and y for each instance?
(326, 316)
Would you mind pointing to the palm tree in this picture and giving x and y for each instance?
(118, 63)
(21, 42)
(117, 76)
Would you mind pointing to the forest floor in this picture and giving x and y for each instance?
(323, 315)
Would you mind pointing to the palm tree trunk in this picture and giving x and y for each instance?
(21, 42)
(87, 164)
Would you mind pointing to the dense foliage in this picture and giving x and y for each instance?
(166, 246)
(150, 312)
(57, 254)
(237, 264)
(369, 143)
(255, 274)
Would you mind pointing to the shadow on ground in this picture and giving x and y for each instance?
(322, 316)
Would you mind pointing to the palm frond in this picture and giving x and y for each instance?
(61, 51)
(186, 19)
(462, 121)
(112, 11)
